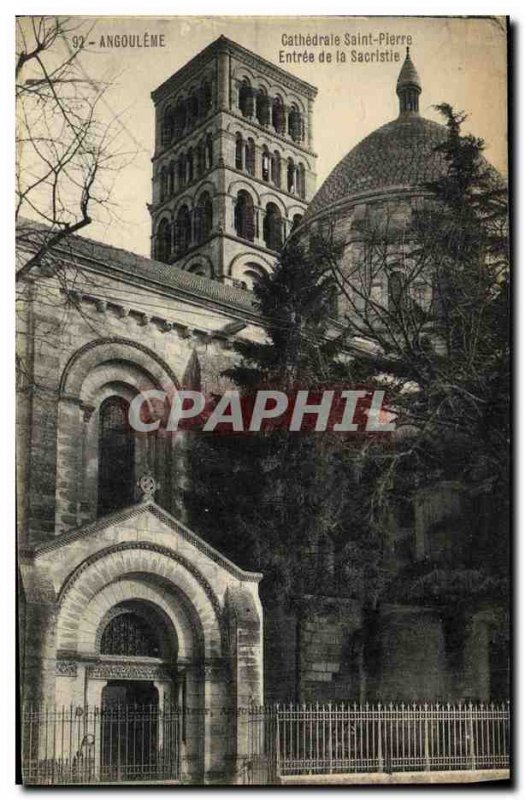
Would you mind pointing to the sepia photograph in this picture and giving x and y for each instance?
(263, 391)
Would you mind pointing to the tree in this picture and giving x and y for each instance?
(436, 338)
(278, 501)
(66, 160)
(65, 154)
(432, 299)
(439, 326)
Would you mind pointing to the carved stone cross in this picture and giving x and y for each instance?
(147, 486)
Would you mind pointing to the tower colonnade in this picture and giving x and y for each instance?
(233, 168)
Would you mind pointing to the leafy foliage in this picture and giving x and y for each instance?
(281, 502)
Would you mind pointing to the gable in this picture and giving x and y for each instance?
(145, 523)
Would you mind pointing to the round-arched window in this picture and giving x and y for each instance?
(246, 98)
(129, 634)
(245, 216)
(273, 227)
(116, 454)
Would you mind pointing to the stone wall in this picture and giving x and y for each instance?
(413, 663)
(134, 339)
(330, 667)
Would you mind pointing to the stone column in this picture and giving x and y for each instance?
(70, 457)
(39, 667)
(476, 660)
(309, 135)
(218, 720)
(259, 225)
(194, 738)
(223, 80)
(245, 622)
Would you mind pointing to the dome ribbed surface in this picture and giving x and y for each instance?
(399, 154)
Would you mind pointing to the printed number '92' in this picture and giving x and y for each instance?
(78, 42)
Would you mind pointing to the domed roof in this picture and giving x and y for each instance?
(399, 154)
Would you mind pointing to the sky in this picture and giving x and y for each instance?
(460, 61)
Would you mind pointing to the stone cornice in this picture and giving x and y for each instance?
(194, 67)
(224, 45)
(176, 292)
(271, 70)
(163, 324)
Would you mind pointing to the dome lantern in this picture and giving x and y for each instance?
(408, 87)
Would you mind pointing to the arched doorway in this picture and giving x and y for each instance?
(130, 731)
(205, 617)
(140, 728)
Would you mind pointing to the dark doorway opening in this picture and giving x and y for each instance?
(130, 731)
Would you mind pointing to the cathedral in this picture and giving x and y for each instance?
(120, 601)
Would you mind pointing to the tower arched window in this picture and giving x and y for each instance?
(179, 119)
(278, 115)
(420, 291)
(249, 156)
(209, 151)
(164, 240)
(193, 108)
(189, 166)
(163, 184)
(296, 221)
(246, 99)
(291, 176)
(116, 453)
(295, 123)
(204, 217)
(245, 216)
(168, 125)
(171, 179)
(262, 107)
(265, 164)
(181, 171)
(197, 269)
(395, 290)
(301, 180)
(239, 152)
(276, 168)
(182, 230)
(251, 275)
(205, 98)
(200, 158)
(273, 227)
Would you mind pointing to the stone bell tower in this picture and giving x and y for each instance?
(234, 166)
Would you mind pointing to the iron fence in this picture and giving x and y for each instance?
(125, 744)
(113, 744)
(341, 738)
